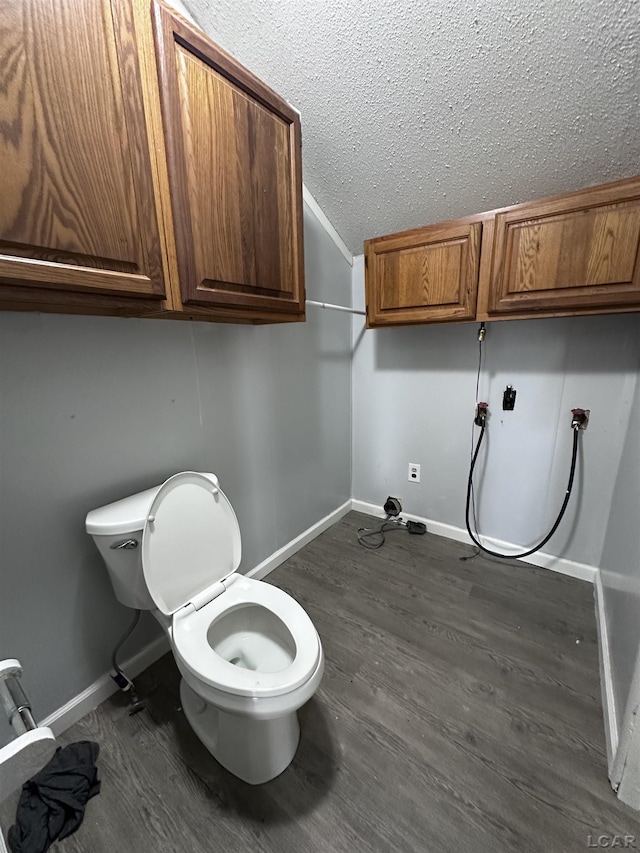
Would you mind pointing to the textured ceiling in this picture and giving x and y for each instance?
(414, 112)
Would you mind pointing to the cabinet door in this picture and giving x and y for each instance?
(426, 275)
(579, 251)
(77, 211)
(233, 150)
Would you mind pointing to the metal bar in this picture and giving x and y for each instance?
(332, 307)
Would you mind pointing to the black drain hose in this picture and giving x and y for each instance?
(572, 471)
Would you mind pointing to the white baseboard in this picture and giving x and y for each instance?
(606, 677)
(276, 559)
(75, 709)
(581, 571)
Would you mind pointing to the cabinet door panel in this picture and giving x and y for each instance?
(78, 211)
(425, 275)
(578, 252)
(234, 170)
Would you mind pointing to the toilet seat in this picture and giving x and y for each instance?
(190, 628)
(190, 542)
(190, 553)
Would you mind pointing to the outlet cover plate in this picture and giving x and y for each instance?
(413, 475)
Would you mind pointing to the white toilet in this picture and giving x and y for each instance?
(248, 653)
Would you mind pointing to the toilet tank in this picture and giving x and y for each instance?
(117, 531)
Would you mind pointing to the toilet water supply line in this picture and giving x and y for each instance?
(579, 419)
(122, 681)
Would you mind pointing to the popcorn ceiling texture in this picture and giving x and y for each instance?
(416, 112)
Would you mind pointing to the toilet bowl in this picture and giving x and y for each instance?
(248, 653)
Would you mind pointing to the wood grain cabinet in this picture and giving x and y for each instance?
(78, 224)
(233, 150)
(578, 253)
(144, 171)
(426, 275)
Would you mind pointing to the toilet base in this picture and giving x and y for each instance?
(253, 750)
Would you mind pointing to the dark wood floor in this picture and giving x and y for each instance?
(460, 711)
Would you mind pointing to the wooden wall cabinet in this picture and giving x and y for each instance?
(426, 275)
(233, 149)
(574, 252)
(77, 218)
(145, 171)
(578, 253)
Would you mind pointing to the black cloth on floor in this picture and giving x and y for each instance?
(51, 804)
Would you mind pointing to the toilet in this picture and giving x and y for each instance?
(249, 655)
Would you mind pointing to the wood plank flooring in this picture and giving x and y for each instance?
(460, 711)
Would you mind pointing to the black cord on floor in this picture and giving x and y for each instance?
(470, 556)
(373, 538)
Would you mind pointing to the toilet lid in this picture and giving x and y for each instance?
(191, 540)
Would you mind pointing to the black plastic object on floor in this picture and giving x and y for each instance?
(52, 803)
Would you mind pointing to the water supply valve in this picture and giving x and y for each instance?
(482, 410)
(580, 418)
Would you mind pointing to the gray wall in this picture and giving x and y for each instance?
(414, 400)
(620, 568)
(93, 409)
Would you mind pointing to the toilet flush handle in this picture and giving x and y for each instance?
(126, 545)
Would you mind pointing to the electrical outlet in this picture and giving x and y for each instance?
(414, 472)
